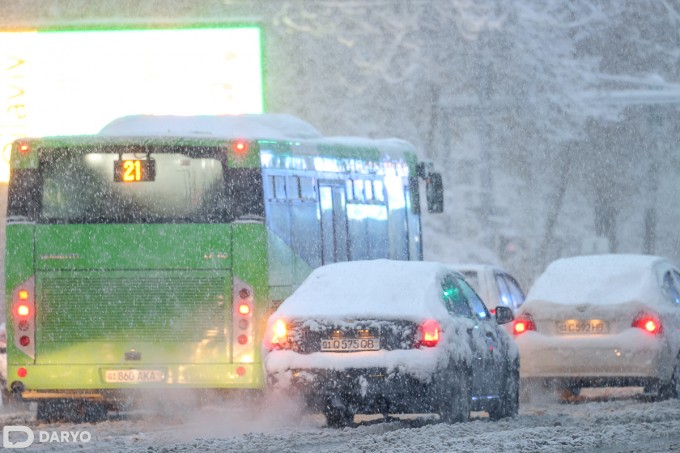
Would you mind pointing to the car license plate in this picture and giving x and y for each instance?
(349, 344)
(133, 376)
(579, 326)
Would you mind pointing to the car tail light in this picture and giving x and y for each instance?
(23, 317)
(523, 323)
(430, 333)
(279, 335)
(649, 323)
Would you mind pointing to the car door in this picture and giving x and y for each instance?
(461, 301)
(671, 290)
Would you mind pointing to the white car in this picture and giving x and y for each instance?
(495, 285)
(602, 320)
(389, 337)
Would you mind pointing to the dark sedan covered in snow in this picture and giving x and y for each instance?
(389, 337)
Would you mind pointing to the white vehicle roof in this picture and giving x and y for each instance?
(256, 126)
(476, 267)
(274, 126)
(384, 289)
(598, 279)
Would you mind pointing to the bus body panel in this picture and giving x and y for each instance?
(132, 246)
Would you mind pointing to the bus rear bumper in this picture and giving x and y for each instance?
(95, 382)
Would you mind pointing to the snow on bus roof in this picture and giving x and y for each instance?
(274, 126)
(263, 126)
(603, 279)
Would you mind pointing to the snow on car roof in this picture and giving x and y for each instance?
(599, 279)
(274, 126)
(376, 288)
(476, 267)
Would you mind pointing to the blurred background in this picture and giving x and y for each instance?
(554, 123)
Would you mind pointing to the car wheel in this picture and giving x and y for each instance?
(455, 401)
(672, 388)
(568, 393)
(338, 414)
(508, 404)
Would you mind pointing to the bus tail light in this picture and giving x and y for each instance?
(649, 323)
(430, 333)
(24, 148)
(523, 323)
(240, 148)
(23, 317)
(243, 335)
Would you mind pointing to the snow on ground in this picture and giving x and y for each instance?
(603, 420)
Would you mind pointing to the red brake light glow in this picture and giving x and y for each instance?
(21, 372)
(240, 148)
(648, 323)
(430, 333)
(279, 334)
(24, 148)
(244, 309)
(522, 324)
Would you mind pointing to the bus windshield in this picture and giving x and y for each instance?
(118, 185)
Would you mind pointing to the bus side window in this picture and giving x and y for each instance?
(378, 191)
(292, 188)
(349, 189)
(279, 188)
(307, 188)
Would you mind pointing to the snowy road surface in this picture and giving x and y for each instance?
(601, 420)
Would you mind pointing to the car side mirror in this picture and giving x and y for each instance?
(434, 190)
(504, 315)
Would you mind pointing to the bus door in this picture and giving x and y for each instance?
(334, 237)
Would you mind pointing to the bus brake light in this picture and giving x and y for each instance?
(240, 148)
(23, 310)
(244, 309)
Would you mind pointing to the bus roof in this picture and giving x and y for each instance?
(263, 126)
(282, 133)
(273, 126)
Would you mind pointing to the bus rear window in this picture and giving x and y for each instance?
(84, 188)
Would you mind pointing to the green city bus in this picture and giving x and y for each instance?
(149, 256)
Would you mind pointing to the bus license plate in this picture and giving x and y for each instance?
(349, 344)
(133, 376)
